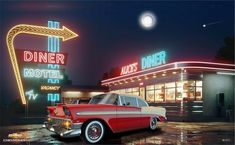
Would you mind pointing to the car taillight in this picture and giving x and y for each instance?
(66, 111)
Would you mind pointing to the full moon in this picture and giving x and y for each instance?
(147, 20)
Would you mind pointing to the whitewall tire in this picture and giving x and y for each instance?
(94, 132)
(153, 123)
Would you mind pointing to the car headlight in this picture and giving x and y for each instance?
(67, 124)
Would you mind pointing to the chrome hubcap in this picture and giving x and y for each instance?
(153, 123)
(94, 131)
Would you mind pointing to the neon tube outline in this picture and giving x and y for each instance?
(174, 63)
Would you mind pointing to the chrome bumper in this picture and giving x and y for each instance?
(57, 126)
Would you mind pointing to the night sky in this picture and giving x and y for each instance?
(111, 36)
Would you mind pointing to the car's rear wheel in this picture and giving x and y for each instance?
(153, 123)
(93, 132)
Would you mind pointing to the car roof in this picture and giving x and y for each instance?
(127, 95)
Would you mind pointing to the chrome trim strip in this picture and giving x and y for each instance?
(109, 113)
(53, 117)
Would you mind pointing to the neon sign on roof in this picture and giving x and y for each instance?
(153, 60)
(129, 68)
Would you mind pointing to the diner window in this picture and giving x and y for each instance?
(189, 90)
(170, 91)
(129, 90)
(150, 93)
(180, 91)
(142, 92)
(151, 87)
(159, 93)
(198, 90)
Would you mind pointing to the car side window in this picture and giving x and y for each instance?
(131, 101)
(122, 100)
(141, 103)
(113, 99)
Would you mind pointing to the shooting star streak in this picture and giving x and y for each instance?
(212, 23)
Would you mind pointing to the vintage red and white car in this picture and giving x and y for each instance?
(111, 111)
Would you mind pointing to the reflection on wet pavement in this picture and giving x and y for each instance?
(168, 133)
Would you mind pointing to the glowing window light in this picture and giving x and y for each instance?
(63, 33)
(225, 73)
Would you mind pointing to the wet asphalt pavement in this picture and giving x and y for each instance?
(216, 133)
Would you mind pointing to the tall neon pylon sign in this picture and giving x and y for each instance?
(53, 46)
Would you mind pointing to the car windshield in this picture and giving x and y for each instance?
(105, 99)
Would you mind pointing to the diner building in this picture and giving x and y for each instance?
(189, 90)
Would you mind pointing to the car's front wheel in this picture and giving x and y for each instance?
(93, 132)
(153, 123)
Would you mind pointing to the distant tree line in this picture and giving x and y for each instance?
(226, 53)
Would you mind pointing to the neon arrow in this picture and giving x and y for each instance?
(64, 34)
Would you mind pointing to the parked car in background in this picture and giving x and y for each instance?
(115, 112)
